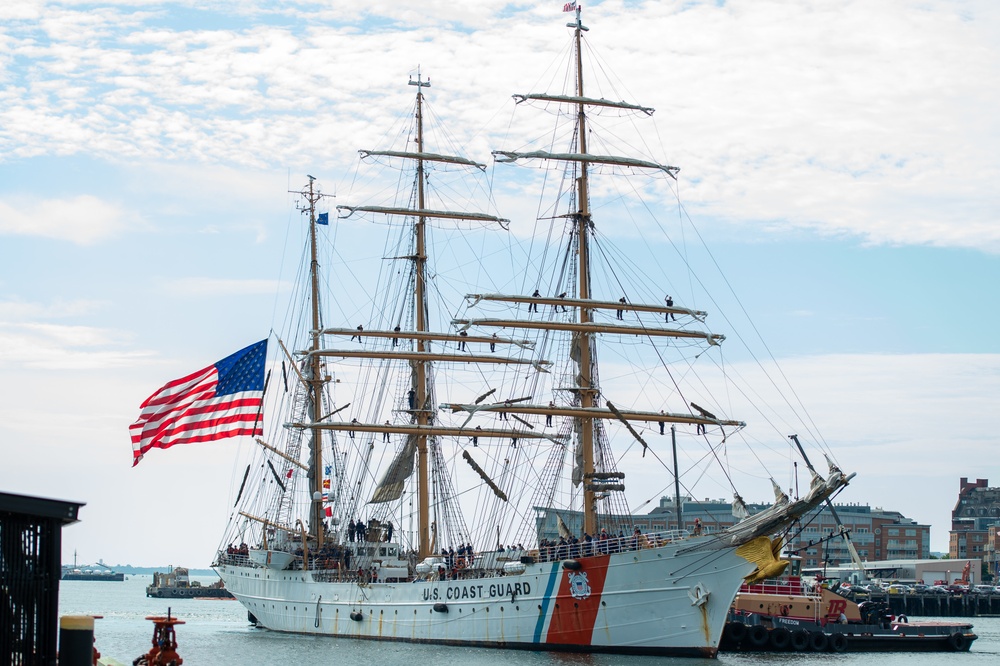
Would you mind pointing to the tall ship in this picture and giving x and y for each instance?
(447, 466)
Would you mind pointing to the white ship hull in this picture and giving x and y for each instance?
(664, 601)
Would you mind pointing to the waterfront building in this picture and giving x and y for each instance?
(876, 533)
(909, 571)
(974, 521)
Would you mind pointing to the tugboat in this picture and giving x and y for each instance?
(177, 584)
(784, 616)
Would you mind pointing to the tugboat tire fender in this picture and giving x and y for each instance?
(957, 642)
(838, 642)
(757, 635)
(780, 638)
(735, 631)
(818, 641)
(902, 619)
(800, 640)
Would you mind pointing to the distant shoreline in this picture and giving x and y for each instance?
(148, 571)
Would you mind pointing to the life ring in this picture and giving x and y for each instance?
(957, 642)
(757, 636)
(800, 640)
(735, 631)
(818, 641)
(838, 642)
(780, 638)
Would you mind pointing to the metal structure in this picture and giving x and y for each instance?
(30, 567)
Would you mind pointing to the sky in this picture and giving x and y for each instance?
(839, 159)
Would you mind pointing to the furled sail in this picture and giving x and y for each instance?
(740, 510)
(390, 488)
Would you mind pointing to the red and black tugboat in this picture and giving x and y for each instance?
(783, 615)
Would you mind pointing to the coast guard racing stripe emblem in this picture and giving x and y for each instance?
(577, 603)
(578, 586)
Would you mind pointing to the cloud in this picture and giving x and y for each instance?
(212, 287)
(834, 119)
(15, 310)
(909, 425)
(83, 219)
(51, 347)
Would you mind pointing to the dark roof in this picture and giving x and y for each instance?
(40, 507)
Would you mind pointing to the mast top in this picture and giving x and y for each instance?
(578, 24)
(420, 83)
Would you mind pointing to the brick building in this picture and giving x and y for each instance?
(974, 522)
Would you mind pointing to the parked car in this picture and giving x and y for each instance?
(982, 589)
(958, 588)
(920, 588)
(899, 588)
(936, 589)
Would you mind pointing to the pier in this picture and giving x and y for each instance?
(938, 605)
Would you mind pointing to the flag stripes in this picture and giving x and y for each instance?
(222, 400)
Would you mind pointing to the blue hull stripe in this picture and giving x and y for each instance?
(542, 614)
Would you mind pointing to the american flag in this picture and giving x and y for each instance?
(569, 7)
(223, 400)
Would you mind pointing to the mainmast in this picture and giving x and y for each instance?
(585, 385)
(587, 410)
(420, 367)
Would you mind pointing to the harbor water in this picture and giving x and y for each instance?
(217, 633)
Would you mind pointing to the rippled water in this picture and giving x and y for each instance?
(217, 633)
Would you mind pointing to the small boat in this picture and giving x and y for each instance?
(99, 571)
(177, 584)
(786, 616)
